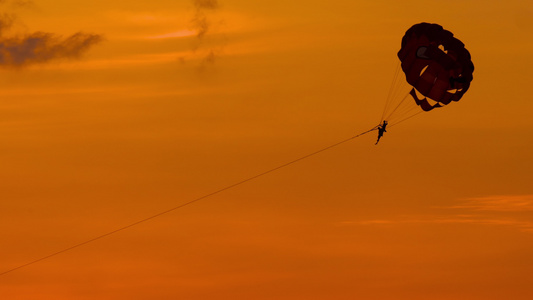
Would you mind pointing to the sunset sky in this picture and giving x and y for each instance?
(130, 108)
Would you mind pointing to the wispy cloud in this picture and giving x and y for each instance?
(496, 210)
(40, 47)
(22, 3)
(472, 220)
(17, 3)
(202, 23)
(175, 34)
(136, 60)
(503, 203)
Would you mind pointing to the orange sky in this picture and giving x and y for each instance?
(144, 115)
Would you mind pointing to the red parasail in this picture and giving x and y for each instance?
(436, 64)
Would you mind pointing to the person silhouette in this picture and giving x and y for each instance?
(382, 128)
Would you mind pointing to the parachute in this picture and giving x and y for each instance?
(437, 67)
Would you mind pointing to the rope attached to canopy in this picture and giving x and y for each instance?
(185, 204)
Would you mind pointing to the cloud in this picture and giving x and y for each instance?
(21, 3)
(202, 24)
(459, 219)
(40, 47)
(496, 210)
(175, 34)
(6, 22)
(502, 203)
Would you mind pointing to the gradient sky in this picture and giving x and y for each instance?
(134, 107)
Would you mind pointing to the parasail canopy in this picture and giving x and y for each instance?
(436, 65)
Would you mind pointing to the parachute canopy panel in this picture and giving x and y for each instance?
(436, 64)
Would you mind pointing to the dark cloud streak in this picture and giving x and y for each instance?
(200, 21)
(202, 24)
(40, 47)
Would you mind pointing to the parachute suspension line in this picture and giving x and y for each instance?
(186, 203)
(401, 85)
(395, 87)
(406, 110)
(397, 106)
(407, 118)
(403, 111)
(392, 89)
